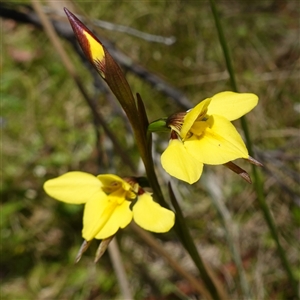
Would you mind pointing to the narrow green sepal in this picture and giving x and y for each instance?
(159, 125)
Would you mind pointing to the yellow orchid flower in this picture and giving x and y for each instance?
(108, 203)
(205, 135)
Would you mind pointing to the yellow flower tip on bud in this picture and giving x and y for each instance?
(91, 46)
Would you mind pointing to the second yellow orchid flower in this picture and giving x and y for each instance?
(108, 203)
(205, 135)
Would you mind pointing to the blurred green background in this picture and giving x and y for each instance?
(47, 129)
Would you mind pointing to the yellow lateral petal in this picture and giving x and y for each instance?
(232, 105)
(97, 211)
(219, 144)
(192, 116)
(180, 164)
(120, 218)
(151, 216)
(73, 187)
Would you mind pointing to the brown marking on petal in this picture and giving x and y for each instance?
(131, 194)
(175, 121)
(130, 180)
(174, 135)
(141, 191)
(202, 116)
(112, 187)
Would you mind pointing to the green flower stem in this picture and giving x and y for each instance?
(181, 231)
(151, 241)
(137, 117)
(258, 184)
(180, 225)
(219, 202)
(270, 221)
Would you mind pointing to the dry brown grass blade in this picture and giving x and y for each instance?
(115, 255)
(197, 285)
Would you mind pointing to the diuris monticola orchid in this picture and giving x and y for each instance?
(205, 135)
(108, 200)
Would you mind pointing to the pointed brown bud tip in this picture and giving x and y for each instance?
(82, 249)
(102, 247)
(254, 161)
(79, 28)
(89, 43)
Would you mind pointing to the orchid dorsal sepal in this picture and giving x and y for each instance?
(159, 125)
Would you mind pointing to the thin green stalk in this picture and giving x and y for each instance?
(258, 184)
(180, 225)
(226, 219)
(181, 230)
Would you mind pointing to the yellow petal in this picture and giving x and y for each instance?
(232, 105)
(120, 218)
(199, 127)
(110, 180)
(192, 116)
(73, 187)
(151, 216)
(180, 164)
(219, 144)
(97, 211)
